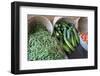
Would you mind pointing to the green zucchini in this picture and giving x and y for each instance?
(66, 48)
(66, 41)
(72, 39)
(76, 35)
(68, 34)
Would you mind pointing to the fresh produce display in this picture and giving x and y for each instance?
(42, 46)
(67, 34)
(54, 38)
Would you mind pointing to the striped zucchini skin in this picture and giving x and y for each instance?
(76, 35)
(67, 49)
(72, 40)
(66, 41)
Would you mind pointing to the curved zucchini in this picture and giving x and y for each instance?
(67, 49)
(73, 40)
(76, 35)
(66, 41)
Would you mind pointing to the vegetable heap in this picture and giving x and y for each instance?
(67, 34)
(42, 46)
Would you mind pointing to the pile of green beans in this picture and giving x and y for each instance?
(42, 46)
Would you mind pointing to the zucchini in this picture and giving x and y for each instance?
(76, 35)
(68, 34)
(66, 48)
(73, 40)
(66, 41)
